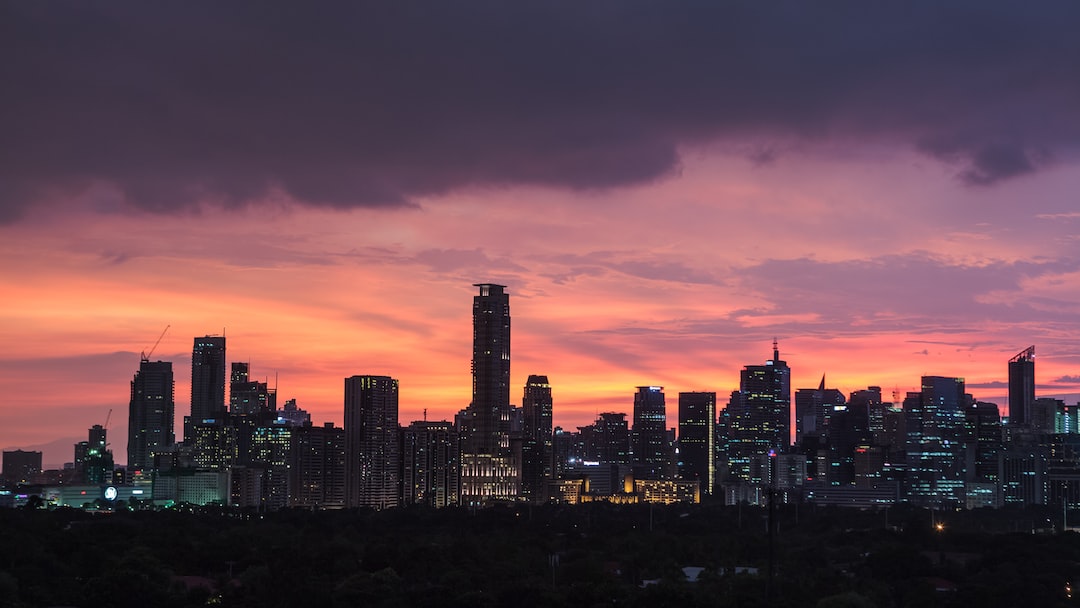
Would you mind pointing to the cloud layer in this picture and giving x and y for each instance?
(170, 106)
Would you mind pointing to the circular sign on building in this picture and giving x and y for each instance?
(110, 493)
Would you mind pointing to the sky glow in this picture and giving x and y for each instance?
(661, 194)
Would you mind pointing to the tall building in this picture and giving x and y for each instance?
(318, 467)
(536, 453)
(813, 409)
(271, 457)
(489, 467)
(607, 439)
(1021, 387)
(697, 438)
(759, 420)
(151, 413)
(294, 415)
(934, 419)
(648, 435)
(97, 457)
(207, 381)
(984, 442)
(372, 457)
(430, 464)
(20, 466)
(490, 405)
(247, 396)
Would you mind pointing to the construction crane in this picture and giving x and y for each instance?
(107, 417)
(145, 356)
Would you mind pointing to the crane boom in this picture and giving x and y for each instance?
(146, 355)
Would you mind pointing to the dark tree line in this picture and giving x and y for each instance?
(587, 555)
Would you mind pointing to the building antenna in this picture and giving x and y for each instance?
(425, 414)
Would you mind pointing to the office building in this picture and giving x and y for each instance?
(489, 409)
(318, 467)
(247, 397)
(1021, 387)
(207, 383)
(151, 413)
(536, 447)
(294, 415)
(649, 445)
(759, 417)
(934, 420)
(272, 458)
(371, 441)
(489, 466)
(93, 458)
(606, 440)
(21, 466)
(430, 463)
(697, 438)
(813, 409)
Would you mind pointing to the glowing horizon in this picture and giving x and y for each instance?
(662, 191)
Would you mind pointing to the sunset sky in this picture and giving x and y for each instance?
(889, 190)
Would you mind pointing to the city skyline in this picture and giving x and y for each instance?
(63, 445)
(889, 191)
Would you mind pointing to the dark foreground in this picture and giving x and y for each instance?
(590, 555)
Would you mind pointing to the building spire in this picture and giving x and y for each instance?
(775, 350)
(821, 386)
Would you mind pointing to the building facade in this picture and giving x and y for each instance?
(490, 468)
(207, 382)
(759, 417)
(151, 413)
(371, 441)
(536, 447)
(697, 438)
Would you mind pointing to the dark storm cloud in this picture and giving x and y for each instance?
(346, 104)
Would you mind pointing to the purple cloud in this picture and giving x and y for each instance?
(356, 104)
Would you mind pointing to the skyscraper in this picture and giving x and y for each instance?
(607, 440)
(150, 413)
(760, 416)
(697, 438)
(98, 461)
(207, 379)
(318, 467)
(813, 408)
(536, 454)
(934, 419)
(648, 436)
(489, 470)
(1021, 387)
(247, 397)
(372, 457)
(489, 410)
(430, 467)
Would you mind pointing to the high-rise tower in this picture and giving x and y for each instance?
(536, 455)
(697, 438)
(934, 421)
(759, 420)
(208, 379)
(150, 413)
(372, 456)
(1021, 387)
(489, 468)
(648, 436)
(490, 408)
